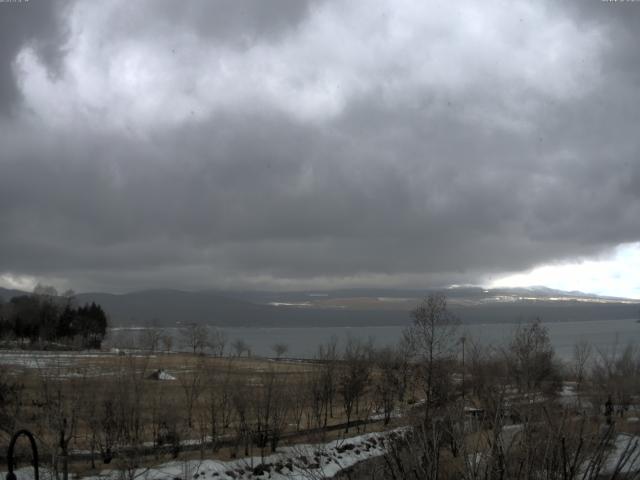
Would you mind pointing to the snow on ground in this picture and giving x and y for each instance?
(304, 461)
(622, 456)
(58, 364)
(55, 364)
(39, 359)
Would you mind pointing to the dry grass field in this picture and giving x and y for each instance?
(140, 408)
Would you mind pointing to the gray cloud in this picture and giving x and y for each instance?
(37, 24)
(227, 144)
(240, 23)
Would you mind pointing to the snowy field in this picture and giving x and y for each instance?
(40, 359)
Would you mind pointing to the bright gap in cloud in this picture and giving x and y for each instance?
(616, 275)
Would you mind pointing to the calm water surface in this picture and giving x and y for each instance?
(604, 335)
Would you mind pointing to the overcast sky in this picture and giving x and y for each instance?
(291, 144)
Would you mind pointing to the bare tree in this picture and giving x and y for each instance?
(167, 342)
(299, 394)
(404, 368)
(354, 377)
(218, 342)
(318, 406)
(192, 383)
(280, 349)
(89, 414)
(582, 353)
(62, 398)
(531, 358)
(240, 346)
(388, 381)
(240, 398)
(11, 388)
(165, 416)
(195, 337)
(269, 410)
(124, 412)
(218, 400)
(326, 385)
(488, 377)
(616, 376)
(150, 338)
(433, 338)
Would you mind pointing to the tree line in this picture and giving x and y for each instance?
(45, 318)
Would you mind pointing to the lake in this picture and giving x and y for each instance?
(603, 335)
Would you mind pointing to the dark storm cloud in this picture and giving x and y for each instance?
(277, 148)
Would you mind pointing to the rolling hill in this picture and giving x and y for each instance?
(348, 307)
